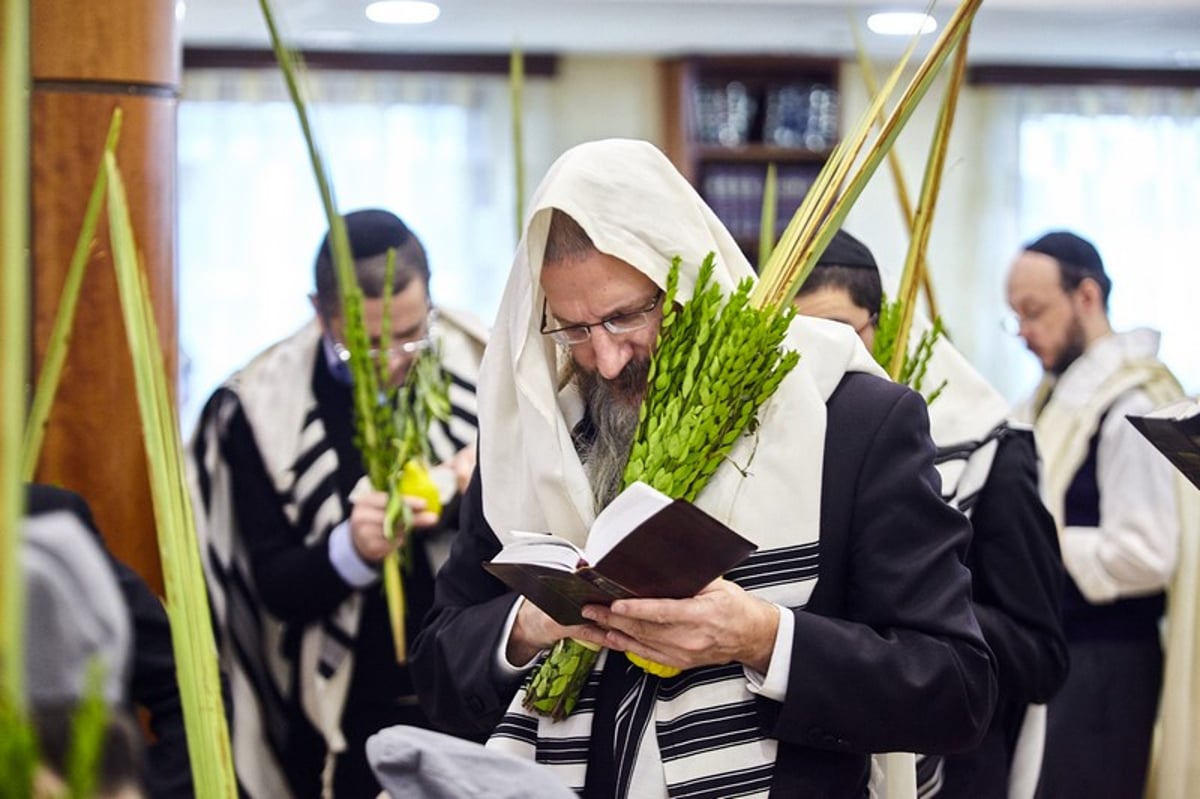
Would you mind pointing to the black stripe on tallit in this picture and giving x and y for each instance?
(965, 504)
(310, 505)
(563, 751)
(634, 712)
(782, 566)
(671, 688)
(245, 632)
(460, 381)
(337, 633)
(465, 415)
(726, 785)
(929, 775)
(965, 449)
(444, 426)
(217, 569)
(306, 459)
(709, 729)
(517, 727)
(198, 455)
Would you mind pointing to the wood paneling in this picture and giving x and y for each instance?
(114, 41)
(93, 442)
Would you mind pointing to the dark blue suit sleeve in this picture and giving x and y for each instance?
(453, 658)
(888, 655)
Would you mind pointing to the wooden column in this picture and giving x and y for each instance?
(89, 58)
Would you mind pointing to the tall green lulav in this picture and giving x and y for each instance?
(516, 85)
(14, 321)
(64, 318)
(386, 418)
(554, 686)
(187, 599)
(18, 750)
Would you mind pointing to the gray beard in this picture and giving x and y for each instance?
(615, 420)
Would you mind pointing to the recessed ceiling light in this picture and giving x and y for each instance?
(402, 12)
(901, 23)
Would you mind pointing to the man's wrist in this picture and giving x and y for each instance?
(762, 642)
(347, 561)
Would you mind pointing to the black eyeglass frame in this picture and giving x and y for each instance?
(561, 335)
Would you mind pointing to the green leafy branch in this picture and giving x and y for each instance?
(717, 361)
(915, 362)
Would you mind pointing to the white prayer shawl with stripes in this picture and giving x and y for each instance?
(275, 393)
(1064, 429)
(702, 735)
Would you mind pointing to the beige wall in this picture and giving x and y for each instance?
(596, 97)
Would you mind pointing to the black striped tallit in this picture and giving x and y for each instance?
(303, 464)
(702, 723)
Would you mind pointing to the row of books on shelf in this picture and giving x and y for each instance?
(735, 193)
(795, 114)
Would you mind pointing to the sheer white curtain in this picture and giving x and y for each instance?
(434, 149)
(1121, 167)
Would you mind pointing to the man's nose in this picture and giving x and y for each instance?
(612, 352)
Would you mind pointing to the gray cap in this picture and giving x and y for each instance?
(410, 761)
(74, 613)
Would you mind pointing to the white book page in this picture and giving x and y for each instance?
(1176, 410)
(634, 505)
(540, 549)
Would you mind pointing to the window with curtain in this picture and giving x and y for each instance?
(1121, 167)
(434, 149)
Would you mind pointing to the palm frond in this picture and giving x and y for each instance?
(840, 183)
(187, 598)
(927, 203)
(64, 318)
(14, 332)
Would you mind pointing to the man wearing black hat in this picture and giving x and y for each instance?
(1113, 498)
(292, 550)
(989, 471)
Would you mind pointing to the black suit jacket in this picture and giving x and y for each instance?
(153, 683)
(887, 655)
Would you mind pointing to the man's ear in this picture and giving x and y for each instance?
(1090, 295)
(316, 306)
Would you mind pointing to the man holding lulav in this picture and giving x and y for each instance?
(848, 632)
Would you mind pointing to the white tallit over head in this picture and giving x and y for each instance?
(636, 206)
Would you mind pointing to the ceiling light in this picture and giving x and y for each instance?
(402, 12)
(901, 23)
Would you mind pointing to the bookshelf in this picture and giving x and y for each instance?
(728, 117)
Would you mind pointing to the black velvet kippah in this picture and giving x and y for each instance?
(371, 232)
(845, 250)
(1071, 249)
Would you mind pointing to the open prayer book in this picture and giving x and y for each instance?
(644, 544)
(1175, 430)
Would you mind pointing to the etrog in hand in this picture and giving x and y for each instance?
(415, 481)
(650, 667)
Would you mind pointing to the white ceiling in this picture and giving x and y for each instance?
(1128, 33)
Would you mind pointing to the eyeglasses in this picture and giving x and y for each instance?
(871, 321)
(1012, 322)
(617, 324)
(399, 349)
